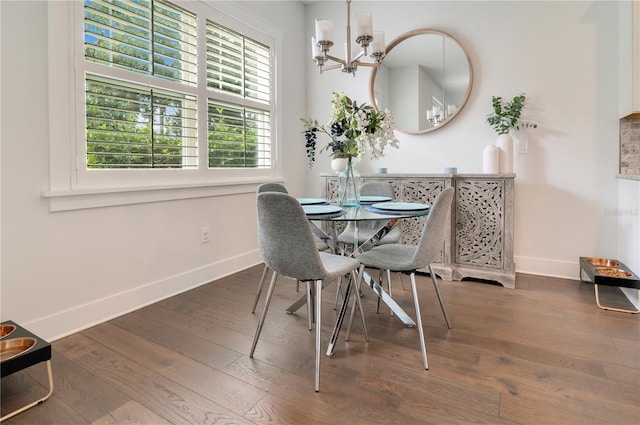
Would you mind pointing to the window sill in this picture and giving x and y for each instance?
(68, 200)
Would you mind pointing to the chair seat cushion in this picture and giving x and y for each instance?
(394, 257)
(338, 265)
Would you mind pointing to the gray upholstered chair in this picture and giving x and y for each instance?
(320, 244)
(408, 259)
(287, 246)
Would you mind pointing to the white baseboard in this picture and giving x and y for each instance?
(84, 316)
(548, 267)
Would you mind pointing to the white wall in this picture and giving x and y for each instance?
(64, 271)
(563, 56)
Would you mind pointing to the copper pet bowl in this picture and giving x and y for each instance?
(6, 330)
(9, 348)
(605, 271)
(603, 262)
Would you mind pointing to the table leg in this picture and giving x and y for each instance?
(397, 310)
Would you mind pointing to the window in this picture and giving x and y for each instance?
(160, 92)
(238, 136)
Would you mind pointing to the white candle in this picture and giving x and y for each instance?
(491, 160)
(315, 50)
(378, 45)
(324, 30)
(363, 24)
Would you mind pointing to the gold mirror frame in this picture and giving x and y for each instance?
(445, 38)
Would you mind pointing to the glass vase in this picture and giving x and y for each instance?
(349, 186)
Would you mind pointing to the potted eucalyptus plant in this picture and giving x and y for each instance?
(506, 117)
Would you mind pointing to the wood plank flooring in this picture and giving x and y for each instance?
(543, 353)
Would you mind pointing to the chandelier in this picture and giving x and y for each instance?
(366, 38)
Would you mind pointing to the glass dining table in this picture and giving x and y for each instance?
(387, 215)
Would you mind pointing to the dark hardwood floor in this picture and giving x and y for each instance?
(543, 353)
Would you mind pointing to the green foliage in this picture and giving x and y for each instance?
(506, 117)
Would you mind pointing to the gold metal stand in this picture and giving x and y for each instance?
(35, 403)
(612, 308)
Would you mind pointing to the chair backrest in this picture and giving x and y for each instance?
(272, 187)
(434, 231)
(285, 238)
(376, 188)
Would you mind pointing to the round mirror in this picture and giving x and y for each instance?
(424, 80)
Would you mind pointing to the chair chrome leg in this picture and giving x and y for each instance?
(274, 277)
(318, 295)
(419, 319)
(262, 278)
(435, 285)
(341, 313)
(309, 289)
(389, 286)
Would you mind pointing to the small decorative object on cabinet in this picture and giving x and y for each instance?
(479, 243)
(491, 160)
(504, 118)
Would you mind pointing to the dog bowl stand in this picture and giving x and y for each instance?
(632, 281)
(39, 352)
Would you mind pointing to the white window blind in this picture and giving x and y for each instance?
(239, 133)
(238, 136)
(137, 122)
(133, 126)
(237, 65)
(150, 37)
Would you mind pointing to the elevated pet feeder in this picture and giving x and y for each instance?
(604, 271)
(20, 349)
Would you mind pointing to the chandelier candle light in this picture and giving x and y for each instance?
(365, 37)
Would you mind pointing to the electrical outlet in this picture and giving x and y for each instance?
(204, 235)
(523, 146)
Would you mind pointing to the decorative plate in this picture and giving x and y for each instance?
(401, 206)
(321, 209)
(372, 199)
(312, 201)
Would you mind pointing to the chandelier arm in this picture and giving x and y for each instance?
(335, 59)
(329, 67)
(369, 64)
